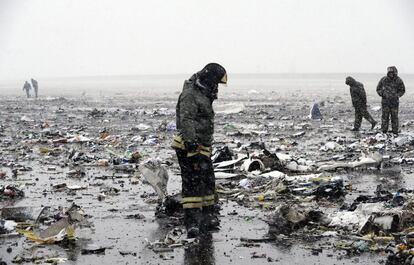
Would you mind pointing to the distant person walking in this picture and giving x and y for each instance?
(390, 88)
(27, 87)
(35, 85)
(359, 101)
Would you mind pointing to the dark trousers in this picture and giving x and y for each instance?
(387, 111)
(198, 184)
(201, 253)
(362, 112)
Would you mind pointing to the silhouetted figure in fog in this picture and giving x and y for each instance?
(359, 101)
(35, 85)
(27, 87)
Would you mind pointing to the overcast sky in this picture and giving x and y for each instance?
(52, 38)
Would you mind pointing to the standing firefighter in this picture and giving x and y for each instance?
(27, 88)
(195, 125)
(359, 101)
(390, 88)
(35, 86)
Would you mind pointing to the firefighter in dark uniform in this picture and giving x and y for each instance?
(195, 126)
(390, 88)
(359, 101)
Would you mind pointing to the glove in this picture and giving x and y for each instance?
(190, 146)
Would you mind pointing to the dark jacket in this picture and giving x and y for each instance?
(34, 84)
(391, 90)
(195, 114)
(358, 95)
(27, 86)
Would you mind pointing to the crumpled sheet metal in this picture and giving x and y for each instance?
(373, 218)
(373, 159)
(156, 175)
(56, 232)
(68, 232)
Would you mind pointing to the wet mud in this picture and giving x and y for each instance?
(123, 222)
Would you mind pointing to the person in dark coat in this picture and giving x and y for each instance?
(359, 102)
(195, 126)
(27, 88)
(35, 85)
(390, 88)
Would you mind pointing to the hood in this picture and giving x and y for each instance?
(208, 78)
(210, 92)
(212, 74)
(393, 70)
(350, 81)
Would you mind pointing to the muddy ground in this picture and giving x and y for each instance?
(277, 106)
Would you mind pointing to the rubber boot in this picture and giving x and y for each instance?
(192, 222)
(210, 220)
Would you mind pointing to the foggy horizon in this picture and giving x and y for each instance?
(63, 39)
(187, 75)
